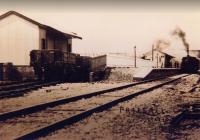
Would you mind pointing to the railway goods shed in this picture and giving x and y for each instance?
(28, 47)
(20, 34)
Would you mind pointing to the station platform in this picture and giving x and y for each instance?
(150, 73)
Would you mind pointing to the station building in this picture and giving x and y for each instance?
(168, 57)
(169, 53)
(160, 59)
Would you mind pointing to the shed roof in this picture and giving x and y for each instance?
(46, 27)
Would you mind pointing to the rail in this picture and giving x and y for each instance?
(75, 118)
(16, 90)
(42, 106)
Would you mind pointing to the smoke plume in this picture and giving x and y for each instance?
(161, 44)
(181, 34)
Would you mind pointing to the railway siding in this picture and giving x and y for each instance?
(146, 117)
(52, 93)
(62, 111)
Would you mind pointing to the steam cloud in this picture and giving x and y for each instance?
(161, 44)
(181, 34)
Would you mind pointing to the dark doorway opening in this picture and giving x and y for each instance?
(43, 44)
(69, 48)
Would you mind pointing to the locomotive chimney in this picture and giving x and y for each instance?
(188, 51)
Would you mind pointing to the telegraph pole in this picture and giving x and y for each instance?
(135, 56)
(152, 52)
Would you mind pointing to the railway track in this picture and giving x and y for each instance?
(19, 89)
(34, 108)
(67, 111)
(4, 83)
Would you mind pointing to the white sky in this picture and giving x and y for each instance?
(115, 30)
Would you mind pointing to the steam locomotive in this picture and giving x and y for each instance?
(189, 64)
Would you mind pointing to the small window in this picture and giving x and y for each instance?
(43, 44)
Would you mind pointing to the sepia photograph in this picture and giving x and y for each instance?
(99, 70)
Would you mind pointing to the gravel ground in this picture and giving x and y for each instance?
(51, 93)
(146, 117)
(118, 77)
(36, 120)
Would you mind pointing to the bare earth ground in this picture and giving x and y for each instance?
(117, 77)
(51, 93)
(146, 117)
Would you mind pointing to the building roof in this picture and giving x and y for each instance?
(172, 50)
(46, 27)
(149, 53)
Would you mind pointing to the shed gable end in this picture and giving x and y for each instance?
(17, 38)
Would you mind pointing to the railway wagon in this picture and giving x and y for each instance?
(93, 66)
(92, 63)
(60, 65)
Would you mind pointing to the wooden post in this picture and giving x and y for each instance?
(157, 59)
(152, 52)
(135, 56)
